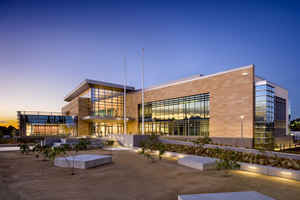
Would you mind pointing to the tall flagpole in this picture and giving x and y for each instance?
(125, 83)
(143, 119)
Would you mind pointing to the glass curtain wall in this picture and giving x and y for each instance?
(280, 117)
(107, 104)
(48, 125)
(184, 116)
(264, 116)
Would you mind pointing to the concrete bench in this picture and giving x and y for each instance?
(84, 161)
(226, 196)
(197, 162)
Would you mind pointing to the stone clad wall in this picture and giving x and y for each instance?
(79, 107)
(231, 95)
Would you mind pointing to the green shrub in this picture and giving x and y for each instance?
(150, 145)
(109, 142)
(24, 148)
(202, 140)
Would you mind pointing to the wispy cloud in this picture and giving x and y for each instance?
(4, 122)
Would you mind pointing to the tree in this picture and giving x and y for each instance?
(10, 130)
(1, 133)
(295, 125)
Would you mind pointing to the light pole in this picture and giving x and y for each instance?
(242, 119)
(125, 85)
(143, 119)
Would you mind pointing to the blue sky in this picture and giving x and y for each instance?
(48, 47)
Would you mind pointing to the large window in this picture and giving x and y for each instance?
(280, 117)
(51, 124)
(183, 116)
(107, 103)
(264, 115)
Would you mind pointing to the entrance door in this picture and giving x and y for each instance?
(109, 130)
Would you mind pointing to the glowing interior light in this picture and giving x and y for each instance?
(252, 167)
(286, 173)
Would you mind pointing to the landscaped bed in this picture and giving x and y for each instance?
(235, 156)
(130, 177)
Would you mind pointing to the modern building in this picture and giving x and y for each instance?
(233, 107)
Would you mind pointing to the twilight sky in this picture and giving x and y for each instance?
(48, 47)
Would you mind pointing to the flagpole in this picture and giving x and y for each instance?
(125, 83)
(143, 119)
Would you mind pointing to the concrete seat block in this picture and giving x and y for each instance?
(226, 196)
(84, 161)
(197, 162)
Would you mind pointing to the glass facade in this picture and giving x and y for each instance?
(264, 115)
(107, 104)
(183, 116)
(36, 124)
(280, 120)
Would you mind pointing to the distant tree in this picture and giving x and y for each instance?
(1, 133)
(295, 125)
(10, 130)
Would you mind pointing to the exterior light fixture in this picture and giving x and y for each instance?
(180, 156)
(286, 173)
(245, 73)
(242, 134)
(252, 167)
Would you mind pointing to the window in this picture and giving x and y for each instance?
(186, 116)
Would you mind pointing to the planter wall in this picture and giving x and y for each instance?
(129, 140)
(239, 149)
(271, 171)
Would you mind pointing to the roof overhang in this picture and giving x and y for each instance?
(86, 84)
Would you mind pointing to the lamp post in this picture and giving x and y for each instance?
(124, 103)
(242, 136)
(143, 118)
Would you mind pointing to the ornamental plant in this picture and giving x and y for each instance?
(24, 148)
(150, 145)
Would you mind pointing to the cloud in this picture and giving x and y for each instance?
(4, 122)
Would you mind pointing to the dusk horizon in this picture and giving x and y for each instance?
(49, 48)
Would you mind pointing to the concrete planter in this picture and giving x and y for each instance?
(129, 140)
(226, 196)
(260, 169)
(238, 149)
(197, 162)
(271, 171)
(84, 161)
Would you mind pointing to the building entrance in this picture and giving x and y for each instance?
(103, 129)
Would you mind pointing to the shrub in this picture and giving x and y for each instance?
(202, 140)
(150, 145)
(24, 148)
(109, 142)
